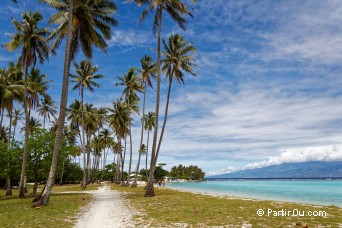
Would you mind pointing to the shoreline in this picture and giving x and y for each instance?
(246, 198)
(175, 207)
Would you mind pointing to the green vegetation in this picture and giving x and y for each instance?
(61, 211)
(188, 173)
(159, 172)
(171, 207)
(40, 145)
(49, 152)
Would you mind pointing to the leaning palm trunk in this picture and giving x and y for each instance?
(27, 120)
(149, 188)
(141, 140)
(60, 124)
(165, 118)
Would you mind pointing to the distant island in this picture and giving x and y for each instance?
(314, 169)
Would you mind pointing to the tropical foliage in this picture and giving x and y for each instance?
(82, 142)
(189, 173)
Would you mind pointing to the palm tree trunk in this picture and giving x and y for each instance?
(63, 106)
(35, 188)
(88, 162)
(61, 181)
(105, 155)
(130, 155)
(103, 159)
(8, 178)
(104, 162)
(85, 163)
(8, 186)
(84, 168)
(149, 188)
(117, 173)
(141, 139)
(2, 117)
(27, 120)
(148, 138)
(165, 118)
(44, 123)
(123, 163)
(14, 128)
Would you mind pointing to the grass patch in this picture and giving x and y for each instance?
(61, 210)
(74, 187)
(172, 207)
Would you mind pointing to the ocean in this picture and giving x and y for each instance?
(320, 192)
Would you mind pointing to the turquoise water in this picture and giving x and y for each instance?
(321, 192)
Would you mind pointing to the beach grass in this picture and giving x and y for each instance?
(171, 208)
(61, 210)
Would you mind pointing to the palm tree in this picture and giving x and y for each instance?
(17, 116)
(149, 125)
(34, 45)
(132, 84)
(108, 140)
(97, 146)
(90, 129)
(36, 90)
(177, 60)
(117, 150)
(10, 90)
(43, 198)
(147, 72)
(100, 120)
(47, 109)
(119, 120)
(34, 125)
(86, 73)
(75, 117)
(89, 18)
(79, 29)
(176, 9)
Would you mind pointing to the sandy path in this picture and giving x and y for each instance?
(107, 210)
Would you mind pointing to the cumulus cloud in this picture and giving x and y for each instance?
(322, 153)
(325, 153)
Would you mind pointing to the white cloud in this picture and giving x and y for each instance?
(129, 38)
(321, 153)
(255, 123)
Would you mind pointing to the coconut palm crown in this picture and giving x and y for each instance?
(91, 24)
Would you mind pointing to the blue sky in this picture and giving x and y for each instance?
(268, 85)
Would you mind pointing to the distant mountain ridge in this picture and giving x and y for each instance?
(314, 169)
